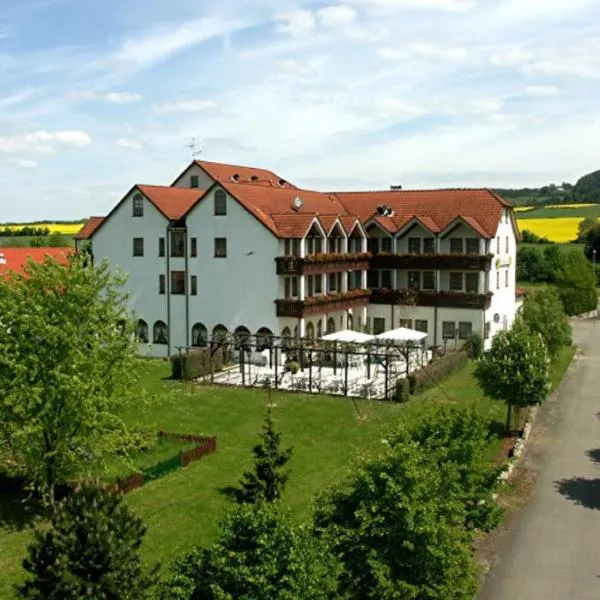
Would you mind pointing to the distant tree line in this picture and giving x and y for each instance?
(25, 231)
(587, 189)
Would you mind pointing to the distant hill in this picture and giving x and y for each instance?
(587, 189)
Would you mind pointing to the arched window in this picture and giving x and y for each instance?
(264, 339)
(160, 333)
(331, 325)
(310, 331)
(242, 338)
(219, 334)
(350, 322)
(199, 335)
(296, 332)
(286, 337)
(141, 331)
(319, 328)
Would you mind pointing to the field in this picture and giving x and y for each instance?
(65, 228)
(556, 230)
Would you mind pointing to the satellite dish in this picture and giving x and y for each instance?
(298, 202)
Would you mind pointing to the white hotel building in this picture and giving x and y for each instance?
(241, 249)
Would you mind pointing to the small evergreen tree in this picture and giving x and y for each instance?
(91, 550)
(268, 479)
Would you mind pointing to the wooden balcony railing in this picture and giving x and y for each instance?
(461, 262)
(322, 304)
(443, 299)
(322, 263)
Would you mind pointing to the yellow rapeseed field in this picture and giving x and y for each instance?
(67, 229)
(523, 208)
(556, 230)
(568, 206)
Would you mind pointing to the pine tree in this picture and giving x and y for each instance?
(268, 479)
(91, 550)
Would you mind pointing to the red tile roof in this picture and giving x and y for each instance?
(520, 292)
(172, 202)
(88, 229)
(14, 260)
(480, 207)
(248, 175)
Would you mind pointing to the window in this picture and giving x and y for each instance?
(414, 245)
(372, 279)
(354, 280)
(355, 245)
(498, 245)
(310, 285)
(414, 280)
(161, 284)
(331, 325)
(138, 246)
(291, 287)
(472, 283)
(138, 205)
(406, 323)
(220, 247)
(160, 334)
(472, 245)
(386, 279)
(335, 245)
(318, 284)
(295, 281)
(178, 243)
(194, 285)
(506, 278)
(310, 331)
(332, 287)
(178, 282)
(506, 245)
(456, 245)
(497, 280)
(161, 246)
(241, 338)
(199, 335)
(428, 280)
(193, 181)
(292, 247)
(386, 244)
(448, 330)
(428, 246)
(141, 331)
(193, 247)
(220, 203)
(486, 331)
(319, 328)
(373, 245)
(378, 325)
(421, 325)
(456, 282)
(465, 330)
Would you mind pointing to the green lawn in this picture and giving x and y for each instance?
(182, 509)
(561, 247)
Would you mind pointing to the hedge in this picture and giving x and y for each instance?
(196, 363)
(437, 371)
(578, 300)
(402, 390)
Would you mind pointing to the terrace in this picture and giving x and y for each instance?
(445, 298)
(325, 303)
(322, 263)
(463, 262)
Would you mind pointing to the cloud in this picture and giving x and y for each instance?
(297, 23)
(45, 142)
(121, 97)
(130, 144)
(185, 106)
(425, 49)
(27, 164)
(435, 5)
(394, 108)
(337, 16)
(510, 57)
(567, 66)
(541, 90)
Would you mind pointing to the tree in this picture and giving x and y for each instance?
(258, 554)
(516, 369)
(585, 227)
(67, 354)
(587, 188)
(91, 550)
(269, 477)
(576, 284)
(399, 528)
(458, 440)
(543, 313)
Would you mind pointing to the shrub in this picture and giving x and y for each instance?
(196, 363)
(474, 346)
(402, 390)
(437, 371)
(292, 367)
(578, 301)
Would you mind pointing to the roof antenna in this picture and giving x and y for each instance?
(194, 148)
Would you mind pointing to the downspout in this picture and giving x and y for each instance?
(437, 291)
(168, 288)
(187, 294)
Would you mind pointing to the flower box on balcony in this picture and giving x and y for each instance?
(444, 299)
(325, 303)
(322, 263)
(432, 261)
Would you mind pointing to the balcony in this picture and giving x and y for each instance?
(322, 304)
(442, 299)
(322, 263)
(460, 262)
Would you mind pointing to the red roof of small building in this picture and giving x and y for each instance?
(14, 260)
(241, 174)
(88, 229)
(520, 292)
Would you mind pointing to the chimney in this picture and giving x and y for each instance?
(395, 188)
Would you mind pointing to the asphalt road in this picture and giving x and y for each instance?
(552, 548)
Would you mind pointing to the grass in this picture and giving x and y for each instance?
(560, 211)
(328, 434)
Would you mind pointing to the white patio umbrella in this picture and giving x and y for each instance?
(401, 335)
(348, 336)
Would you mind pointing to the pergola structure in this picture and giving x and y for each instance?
(346, 363)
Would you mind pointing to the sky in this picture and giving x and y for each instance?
(360, 94)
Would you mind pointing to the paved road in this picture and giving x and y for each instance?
(552, 550)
